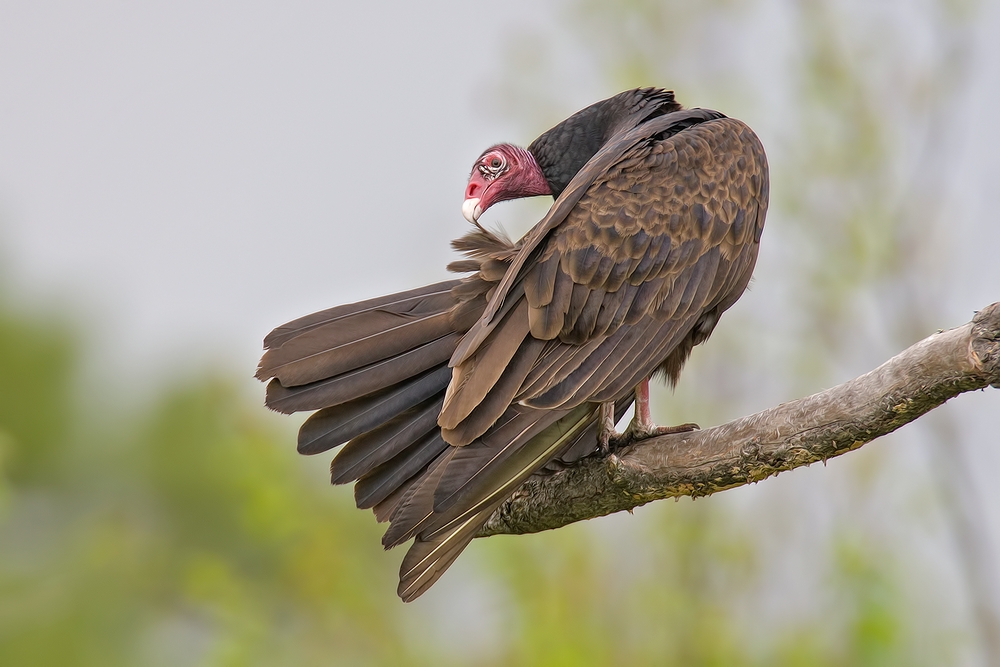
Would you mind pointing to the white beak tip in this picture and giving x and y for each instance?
(471, 210)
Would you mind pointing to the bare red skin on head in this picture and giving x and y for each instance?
(520, 177)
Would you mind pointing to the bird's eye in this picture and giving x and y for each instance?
(492, 166)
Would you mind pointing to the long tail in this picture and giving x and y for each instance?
(376, 373)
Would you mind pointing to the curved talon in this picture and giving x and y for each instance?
(638, 431)
(642, 425)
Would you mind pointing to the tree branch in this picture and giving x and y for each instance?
(753, 448)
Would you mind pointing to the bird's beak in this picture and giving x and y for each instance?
(475, 192)
(471, 209)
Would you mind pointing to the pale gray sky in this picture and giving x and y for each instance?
(197, 173)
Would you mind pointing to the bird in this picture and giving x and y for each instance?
(450, 396)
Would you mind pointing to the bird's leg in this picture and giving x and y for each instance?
(642, 425)
(606, 433)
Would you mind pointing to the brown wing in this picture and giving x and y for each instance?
(663, 241)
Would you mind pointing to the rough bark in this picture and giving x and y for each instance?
(755, 447)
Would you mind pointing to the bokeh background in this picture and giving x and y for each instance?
(178, 178)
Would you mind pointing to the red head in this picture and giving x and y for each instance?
(501, 173)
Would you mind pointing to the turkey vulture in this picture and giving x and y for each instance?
(451, 395)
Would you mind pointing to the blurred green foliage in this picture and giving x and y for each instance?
(188, 532)
(47, 349)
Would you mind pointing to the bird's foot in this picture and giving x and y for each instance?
(642, 426)
(611, 441)
(638, 430)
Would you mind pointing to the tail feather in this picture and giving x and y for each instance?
(335, 425)
(356, 341)
(377, 372)
(416, 505)
(299, 326)
(371, 449)
(360, 382)
(378, 485)
(385, 509)
(427, 560)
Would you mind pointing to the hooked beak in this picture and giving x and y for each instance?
(471, 209)
(475, 193)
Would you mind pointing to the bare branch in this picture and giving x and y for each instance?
(753, 448)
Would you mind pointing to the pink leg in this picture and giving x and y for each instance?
(642, 425)
(642, 414)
